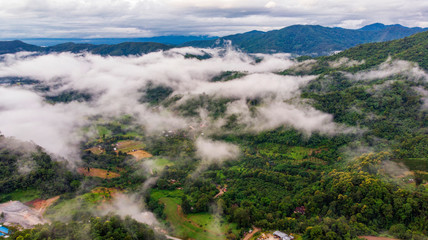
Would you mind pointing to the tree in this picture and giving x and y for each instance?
(185, 205)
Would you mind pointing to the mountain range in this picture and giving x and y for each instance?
(310, 40)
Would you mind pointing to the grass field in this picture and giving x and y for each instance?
(103, 131)
(21, 195)
(195, 226)
(66, 209)
(157, 164)
(294, 155)
(129, 145)
(62, 210)
(95, 150)
(416, 163)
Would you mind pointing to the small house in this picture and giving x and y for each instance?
(282, 236)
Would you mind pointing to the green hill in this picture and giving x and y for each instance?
(413, 48)
(121, 49)
(17, 46)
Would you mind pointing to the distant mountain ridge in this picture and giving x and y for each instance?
(312, 40)
(121, 49)
(168, 40)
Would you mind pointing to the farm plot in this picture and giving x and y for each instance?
(194, 226)
(97, 172)
(95, 150)
(134, 148)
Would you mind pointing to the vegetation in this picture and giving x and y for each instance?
(155, 94)
(227, 76)
(109, 227)
(24, 174)
(69, 96)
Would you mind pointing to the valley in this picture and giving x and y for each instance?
(215, 143)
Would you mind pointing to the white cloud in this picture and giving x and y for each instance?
(115, 83)
(142, 18)
(215, 151)
(391, 67)
(54, 127)
(270, 4)
(351, 24)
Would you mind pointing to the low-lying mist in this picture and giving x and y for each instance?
(116, 85)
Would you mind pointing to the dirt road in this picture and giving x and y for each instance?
(250, 235)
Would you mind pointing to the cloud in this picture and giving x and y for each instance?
(304, 118)
(127, 205)
(24, 116)
(116, 82)
(345, 62)
(215, 151)
(23, 149)
(270, 4)
(392, 67)
(424, 96)
(144, 18)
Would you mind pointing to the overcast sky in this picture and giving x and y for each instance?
(147, 18)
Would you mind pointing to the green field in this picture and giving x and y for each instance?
(103, 131)
(293, 155)
(160, 163)
(196, 226)
(129, 145)
(21, 195)
(416, 163)
(71, 209)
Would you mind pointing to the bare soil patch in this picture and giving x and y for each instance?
(42, 205)
(140, 154)
(96, 172)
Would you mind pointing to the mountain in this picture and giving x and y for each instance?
(309, 39)
(17, 46)
(174, 40)
(129, 48)
(413, 48)
(121, 49)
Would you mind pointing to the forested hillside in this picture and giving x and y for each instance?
(413, 48)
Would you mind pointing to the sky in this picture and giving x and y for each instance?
(148, 18)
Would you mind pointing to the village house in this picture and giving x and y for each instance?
(282, 236)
